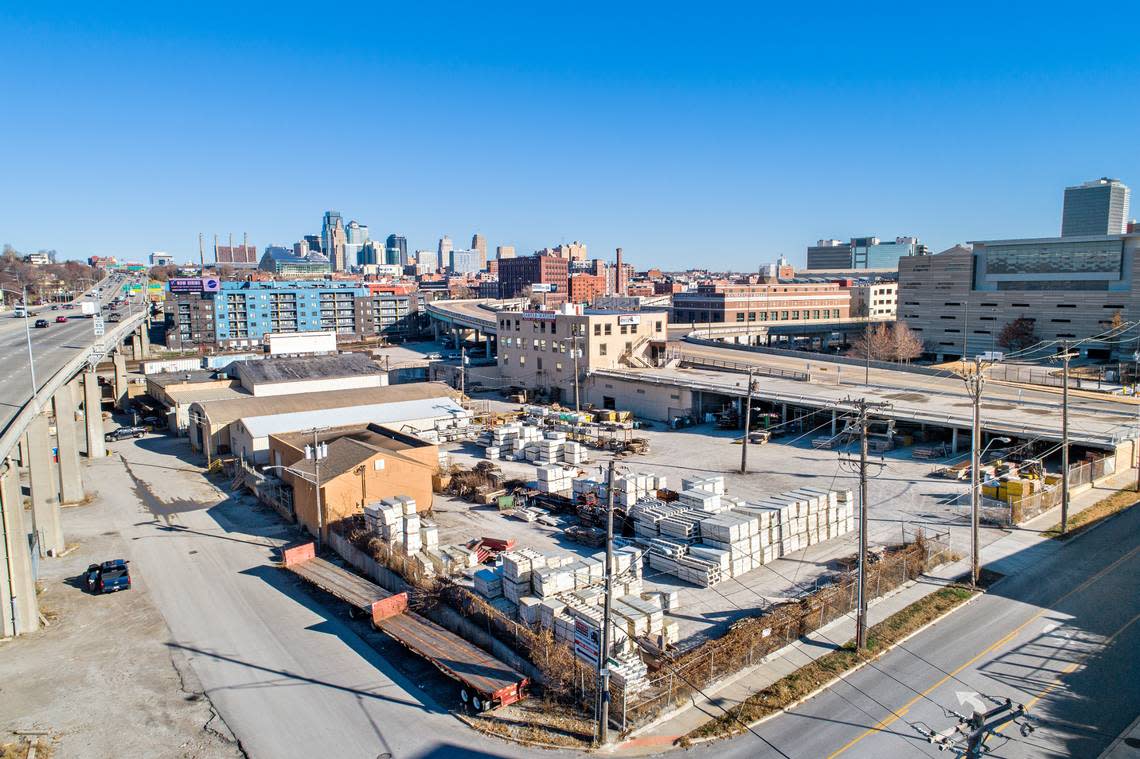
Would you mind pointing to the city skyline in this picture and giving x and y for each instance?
(755, 150)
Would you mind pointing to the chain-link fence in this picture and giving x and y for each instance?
(1009, 513)
(748, 641)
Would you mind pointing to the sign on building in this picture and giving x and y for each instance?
(627, 319)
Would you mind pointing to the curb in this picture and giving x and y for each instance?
(853, 670)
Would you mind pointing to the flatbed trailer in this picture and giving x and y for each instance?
(485, 682)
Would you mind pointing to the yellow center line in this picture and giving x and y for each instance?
(897, 714)
(1072, 666)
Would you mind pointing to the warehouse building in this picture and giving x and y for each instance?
(289, 375)
(241, 427)
(540, 350)
(363, 463)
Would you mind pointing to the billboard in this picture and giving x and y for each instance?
(542, 287)
(194, 285)
(627, 319)
(538, 316)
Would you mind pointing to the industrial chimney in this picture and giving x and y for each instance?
(619, 276)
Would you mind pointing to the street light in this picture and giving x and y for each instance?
(28, 338)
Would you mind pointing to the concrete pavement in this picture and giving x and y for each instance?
(1017, 552)
(288, 674)
(1059, 638)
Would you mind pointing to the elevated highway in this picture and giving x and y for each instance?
(50, 414)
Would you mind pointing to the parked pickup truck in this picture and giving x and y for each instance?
(108, 577)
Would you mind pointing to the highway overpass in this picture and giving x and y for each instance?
(46, 423)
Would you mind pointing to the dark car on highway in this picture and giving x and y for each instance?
(108, 577)
(41, 323)
(124, 433)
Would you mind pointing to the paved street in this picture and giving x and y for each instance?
(290, 675)
(1060, 639)
(52, 347)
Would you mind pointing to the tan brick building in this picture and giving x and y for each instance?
(365, 463)
(536, 347)
(731, 303)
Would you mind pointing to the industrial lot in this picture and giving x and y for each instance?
(530, 523)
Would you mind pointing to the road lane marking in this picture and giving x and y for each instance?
(897, 714)
(1071, 666)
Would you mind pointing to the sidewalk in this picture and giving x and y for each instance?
(1013, 553)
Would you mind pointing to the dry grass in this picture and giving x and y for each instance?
(537, 721)
(787, 690)
(20, 750)
(1099, 511)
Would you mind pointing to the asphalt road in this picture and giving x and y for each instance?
(1060, 638)
(288, 673)
(52, 347)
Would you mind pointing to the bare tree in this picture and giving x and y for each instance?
(907, 345)
(1018, 334)
(875, 344)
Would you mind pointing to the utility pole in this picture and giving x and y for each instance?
(861, 618)
(318, 452)
(747, 426)
(574, 355)
(974, 382)
(861, 421)
(1065, 439)
(604, 654)
(462, 370)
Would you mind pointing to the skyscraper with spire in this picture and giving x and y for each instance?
(333, 240)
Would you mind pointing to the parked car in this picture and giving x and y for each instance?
(108, 577)
(60, 319)
(434, 356)
(123, 433)
(41, 323)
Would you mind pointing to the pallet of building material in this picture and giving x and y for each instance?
(488, 583)
(529, 610)
(670, 548)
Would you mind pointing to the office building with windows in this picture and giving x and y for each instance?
(862, 253)
(464, 261)
(334, 240)
(733, 303)
(516, 275)
(536, 348)
(1070, 288)
(1099, 207)
(400, 243)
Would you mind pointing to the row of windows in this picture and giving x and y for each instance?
(814, 313)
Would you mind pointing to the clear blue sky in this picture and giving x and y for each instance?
(691, 134)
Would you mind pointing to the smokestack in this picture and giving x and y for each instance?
(244, 245)
(201, 255)
(619, 278)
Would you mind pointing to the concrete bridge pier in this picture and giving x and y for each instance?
(67, 443)
(93, 415)
(19, 612)
(45, 487)
(120, 387)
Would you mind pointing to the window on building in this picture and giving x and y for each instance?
(505, 359)
(538, 364)
(597, 330)
(522, 360)
(609, 329)
(740, 316)
(633, 329)
(602, 349)
(795, 314)
(657, 327)
(625, 329)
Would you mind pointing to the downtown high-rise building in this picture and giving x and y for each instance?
(428, 260)
(400, 244)
(334, 240)
(1099, 207)
(479, 245)
(464, 261)
(356, 237)
(443, 250)
(505, 251)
